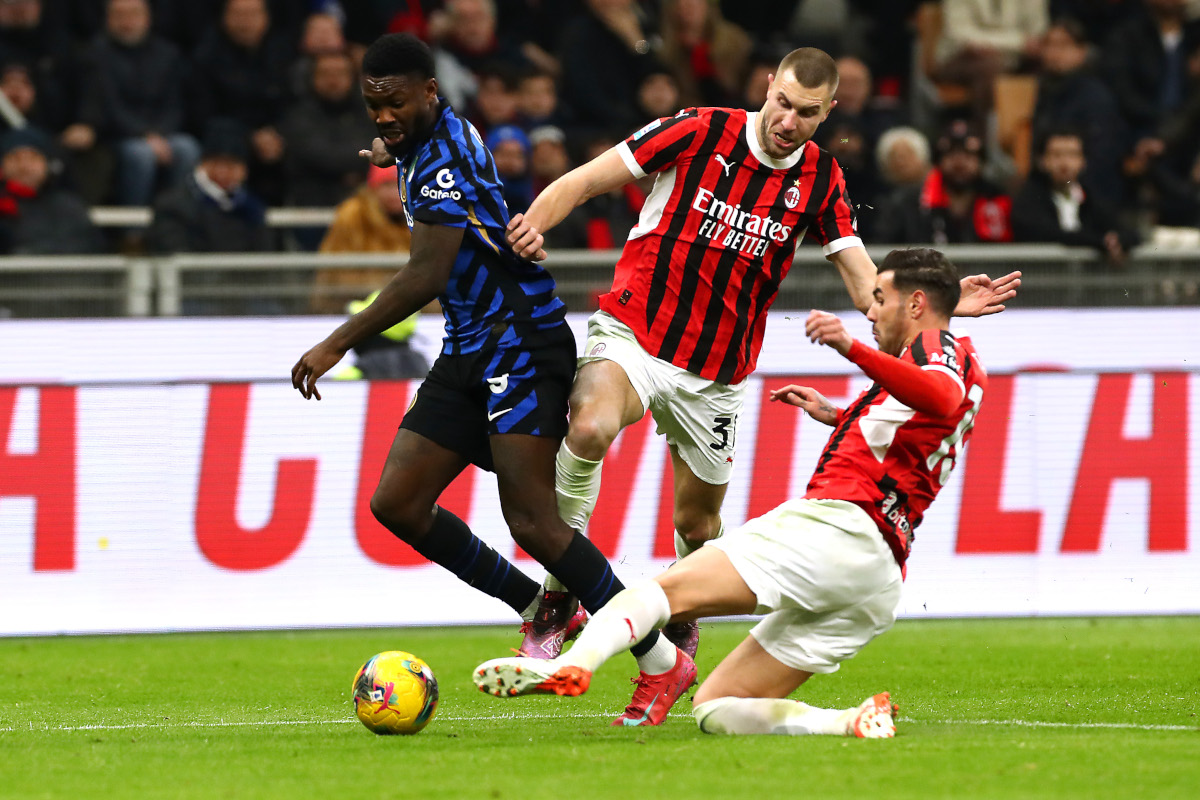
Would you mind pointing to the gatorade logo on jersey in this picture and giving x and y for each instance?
(445, 190)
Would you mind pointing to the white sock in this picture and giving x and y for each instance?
(658, 659)
(685, 548)
(623, 622)
(577, 484)
(768, 715)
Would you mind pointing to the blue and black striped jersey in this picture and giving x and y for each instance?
(450, 179)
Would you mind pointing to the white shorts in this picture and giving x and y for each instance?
(699, 417)
(824, 576)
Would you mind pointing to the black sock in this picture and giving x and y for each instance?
(585, 571)
(450, 543)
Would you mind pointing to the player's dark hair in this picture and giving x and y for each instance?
(928, 270)
(813, 68)
(398, 54)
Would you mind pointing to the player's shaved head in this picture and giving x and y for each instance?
(926, 269)
(811, 67)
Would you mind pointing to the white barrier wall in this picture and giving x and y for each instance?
(134, 499)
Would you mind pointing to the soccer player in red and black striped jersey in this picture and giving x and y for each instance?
(826, 568)
(734, 194)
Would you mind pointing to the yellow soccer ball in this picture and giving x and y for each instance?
(395, 692)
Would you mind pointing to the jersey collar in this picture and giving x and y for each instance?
(760, 154)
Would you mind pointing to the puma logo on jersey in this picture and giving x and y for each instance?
(725, 165)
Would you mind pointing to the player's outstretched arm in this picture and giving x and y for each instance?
(815, 404)
(602, 174)
(928, 391)
(430, 261)
(982, 296)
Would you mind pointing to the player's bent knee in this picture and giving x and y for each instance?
(696, 528)
(403, 519)
(590, 437)
(545, 541)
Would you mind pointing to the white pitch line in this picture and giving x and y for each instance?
(518, 716)
(1028, 723)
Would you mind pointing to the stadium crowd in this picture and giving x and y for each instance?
(210, 111)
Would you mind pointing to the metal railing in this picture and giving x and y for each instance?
(284, 283)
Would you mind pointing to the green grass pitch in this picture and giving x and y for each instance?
(1001, 708)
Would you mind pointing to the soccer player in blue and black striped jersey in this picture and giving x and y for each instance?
(497, 395)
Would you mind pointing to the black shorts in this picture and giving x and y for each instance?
(516, 388)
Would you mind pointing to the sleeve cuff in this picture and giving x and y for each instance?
(630, 162)
(837, 245)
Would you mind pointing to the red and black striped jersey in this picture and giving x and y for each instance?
(716, 236)
(890, 459)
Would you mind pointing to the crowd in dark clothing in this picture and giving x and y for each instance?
(209, 111)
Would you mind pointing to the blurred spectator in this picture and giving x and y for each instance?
(658, 95)
(324, 133)
(134, 100)
(28, 37)
(707, 54)
(537, 99)
(1055, 204)
(242, 74)
(510, 150)
(827, 24)
(856, 106)
(535, 26)
(1168, 166)
(609, 217)
(1098, 17)
(1146, 63)
(470, 36)
(387, 356)
(982, 39)
(495, 101)
(370, 221)
(36, 217)
(18, 88)
(902, 157)
(605, 54)
(187, 22)
(322, 35)
(954, 204)
(888, 45)
(851, 132)
(1068, 94)
(902, 161)
(548, 158)
(213, 211)
(754, 90)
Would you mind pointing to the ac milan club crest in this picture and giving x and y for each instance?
(791, 197)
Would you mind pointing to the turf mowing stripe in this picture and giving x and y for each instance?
(515, 716)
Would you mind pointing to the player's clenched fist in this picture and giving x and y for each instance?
(825, 328)
(524, 239)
